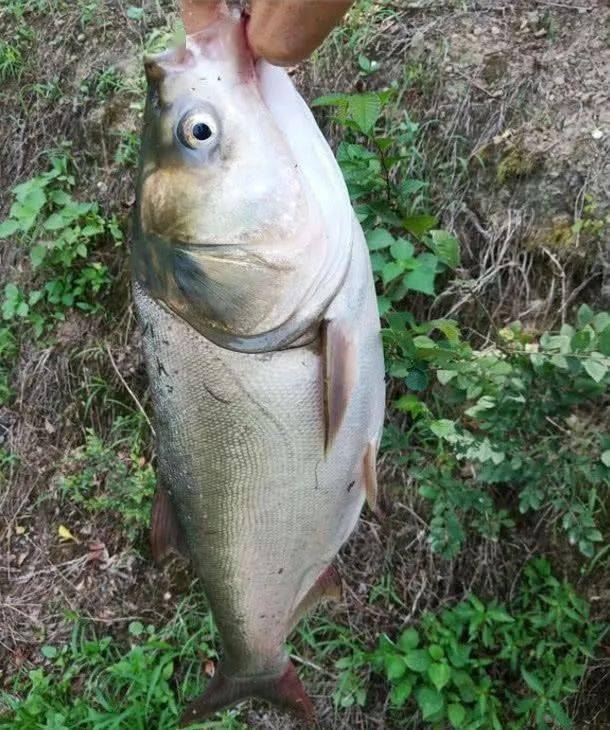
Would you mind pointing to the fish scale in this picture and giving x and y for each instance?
(235, 463)
(266, 439)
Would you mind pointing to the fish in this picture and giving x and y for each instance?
(261, 337)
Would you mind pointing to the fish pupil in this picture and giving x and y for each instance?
(201, 131)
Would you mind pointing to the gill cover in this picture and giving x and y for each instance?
(244, 225)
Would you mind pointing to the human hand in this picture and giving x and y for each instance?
(283, 32)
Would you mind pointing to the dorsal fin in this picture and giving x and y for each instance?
(340, 370)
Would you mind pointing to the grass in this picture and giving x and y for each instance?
(496, 449)
(139, 679)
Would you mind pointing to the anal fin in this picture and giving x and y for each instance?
(328, 586)
(340, 369)
(284, 690)
(374, 495)
(165, 532)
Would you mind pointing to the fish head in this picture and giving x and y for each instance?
(237, 220)
(215, 168)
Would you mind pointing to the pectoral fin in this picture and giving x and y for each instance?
(165, 533)
(328, 586)
(340, 368)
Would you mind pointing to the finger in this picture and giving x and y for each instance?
(198, 14)
(287, 31)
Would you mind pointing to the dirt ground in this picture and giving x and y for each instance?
(515, 101)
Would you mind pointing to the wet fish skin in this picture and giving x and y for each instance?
(265, 425)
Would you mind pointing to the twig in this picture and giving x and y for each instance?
(311, 665)
(129, 390)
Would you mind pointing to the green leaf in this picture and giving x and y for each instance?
(585, 315)
(417, 659)
(136, 628)
(60, 197)
(395, 667)
(34, 297)
(11, 291)
(603, 341)
(8, 227)
(605, 458)
(421, 280)
(430, 702)
(459, 656)
(401, 692)
(439, 675)
(419, 225)
(497, 614)
(449, 328)
(409, 639)
(22, 309)
(37, 254)
(390, 271)
(54, 222)
(456, 714)
(411, 186)
(444, 429)
(595, 369)
(594, 536)
(445, 376)
(402, 250)
(416, 380)
(32, 203)
(409, 403)
(134, 13)
(601, 321)
(50, 652)
(364, 110)
(422, 342)
(383, 305)
(330, 100)
(466, 686)
(484, 403)
(436, 652)
(560, 715)
(379, 238)
(446, 247)
(532, 681)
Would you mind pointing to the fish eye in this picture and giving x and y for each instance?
(196, 129)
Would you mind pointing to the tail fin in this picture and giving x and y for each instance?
(283, 690)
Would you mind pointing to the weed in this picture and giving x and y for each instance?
(103, 82)
(11, 61)
(112, 476)
(488, 665)
(128, 149)
(60, 234)
(141, 681)
(8, 355)
(386, 196)
(89, 11)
